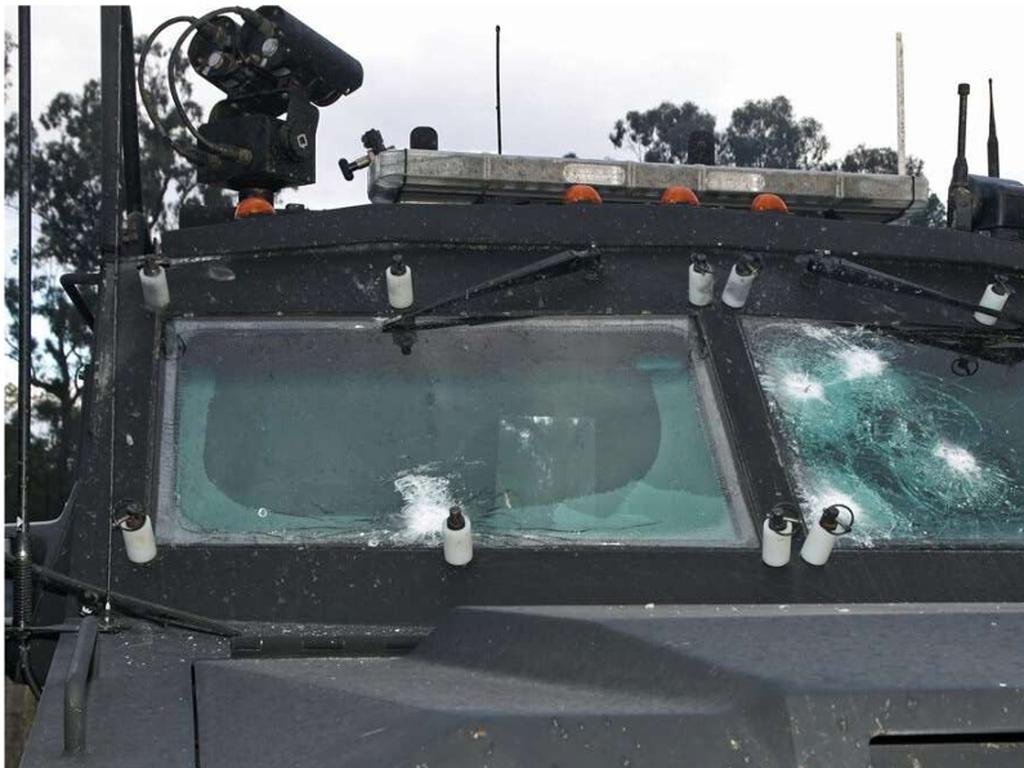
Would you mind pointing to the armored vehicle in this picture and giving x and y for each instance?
(479, 475)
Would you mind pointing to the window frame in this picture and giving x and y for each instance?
(717, 437)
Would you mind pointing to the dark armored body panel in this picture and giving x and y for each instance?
(652, 647)
(250, 570)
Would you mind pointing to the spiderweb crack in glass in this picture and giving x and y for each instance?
(881, 424)
(956, 458)
(426, 500)
(860, 363)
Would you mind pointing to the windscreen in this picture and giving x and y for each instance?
(589, 431)
(922, 440)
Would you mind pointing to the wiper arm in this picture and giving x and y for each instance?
(1003, 347)
(562, 263)
(852, 273)
(483, 318)
(143, 609)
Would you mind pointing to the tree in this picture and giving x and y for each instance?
(764, 134)
(660, 135)
(9, 46)
(933, 215)
(761, 134)
(66, 170)
(864, 159)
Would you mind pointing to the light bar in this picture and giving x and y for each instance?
(430, 176)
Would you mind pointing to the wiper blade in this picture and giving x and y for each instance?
(852, 273)
(562, 263)
(143, 609)
(477, 319)
(1003, 347)
(404, 335)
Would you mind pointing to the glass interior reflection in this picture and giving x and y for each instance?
(546, 430)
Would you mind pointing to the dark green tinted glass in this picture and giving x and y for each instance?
(547, 430)
(922, 441)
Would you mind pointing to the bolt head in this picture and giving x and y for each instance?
(270, 46)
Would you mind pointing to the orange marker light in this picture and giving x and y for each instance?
(581, 193)
(769, 202)
(253, 206)
(679, 194)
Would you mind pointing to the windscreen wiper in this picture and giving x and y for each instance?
(563, 263)
(852, 273)
(143, 609)
(1003, 347)
(482, 318)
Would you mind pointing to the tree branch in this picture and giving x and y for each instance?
(53, 387)
(158, 206)
(186, 191)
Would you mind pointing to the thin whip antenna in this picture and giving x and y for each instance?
(24, 260)
(901, 118)
(111, 104)
(497, 79)
(23, 592)
(993, 142)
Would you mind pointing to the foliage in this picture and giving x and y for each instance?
(42, 457)
(761, 134)
(660, 135)
(9, 47)
(933, 215)
(765, 134)
(863, 159)
(66, 170)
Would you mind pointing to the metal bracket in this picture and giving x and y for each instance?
(76, 685)
(70, 282)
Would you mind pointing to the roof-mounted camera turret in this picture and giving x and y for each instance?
(275, 71)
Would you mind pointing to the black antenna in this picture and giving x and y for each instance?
(111, 206)
(23, 591)
(24, 260)
(960, 164)
(136, 222)
(959, 206)
(993, 142)
(497, 79)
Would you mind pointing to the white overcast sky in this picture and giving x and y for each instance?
(570, 69)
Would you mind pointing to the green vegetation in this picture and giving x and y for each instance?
(66, 202)
(760, 134)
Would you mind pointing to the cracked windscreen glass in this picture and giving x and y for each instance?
(923, 443)
(548, 430)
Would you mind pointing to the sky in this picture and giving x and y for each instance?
(571, 69)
